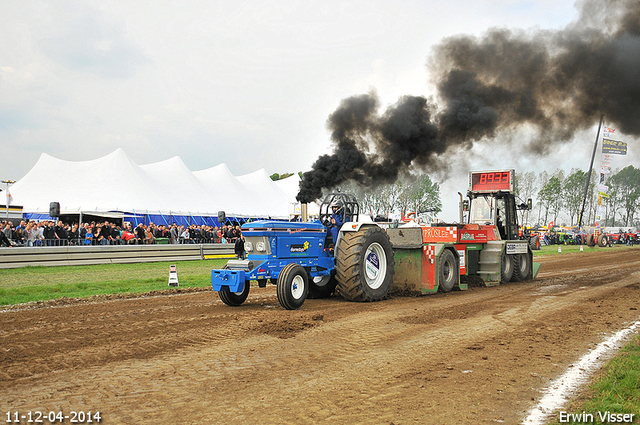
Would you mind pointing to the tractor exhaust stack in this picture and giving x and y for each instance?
(304, 215)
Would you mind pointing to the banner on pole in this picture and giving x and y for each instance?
(616, 147)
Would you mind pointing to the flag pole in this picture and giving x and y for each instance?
(593, 156)
(8, 194)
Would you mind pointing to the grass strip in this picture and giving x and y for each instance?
(573, 249)
(29, 284)
(616, 392)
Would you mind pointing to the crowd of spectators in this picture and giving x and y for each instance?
(49, 233)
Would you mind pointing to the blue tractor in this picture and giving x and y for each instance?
(337, 253)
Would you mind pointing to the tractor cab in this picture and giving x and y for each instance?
(492, 202)
(336, 209)
(343, 204)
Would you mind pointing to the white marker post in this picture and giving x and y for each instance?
(173, 275)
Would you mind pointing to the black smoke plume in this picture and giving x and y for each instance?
(553, 82)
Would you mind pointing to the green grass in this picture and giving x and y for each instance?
(29, 284)
(570, 249)
(617, 390)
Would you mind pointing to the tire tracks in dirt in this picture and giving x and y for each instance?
(478, 356)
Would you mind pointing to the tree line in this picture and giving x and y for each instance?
(558, 197)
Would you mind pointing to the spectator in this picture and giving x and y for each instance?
(114, 236)
(8, 230)
(20, 236)
(174, 236)
(184, 236)
(140, 233)
(239, 247)
(204, 234)
(128, 237)
(148, 236)
(4, 240)
(49, 233)
(60, 234)
(105, 232)
(82, 232)
(88, 237)
(98, 237)
(74, 234)
(29, 233)
(39, 234)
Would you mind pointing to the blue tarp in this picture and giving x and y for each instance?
(167, 220)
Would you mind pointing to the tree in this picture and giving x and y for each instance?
(591, 209)
(421, 196)
(526, 186)
(276, 176)
(543, 178)
(551, 196)
(573, 193)
(612, 201)
(626, 184)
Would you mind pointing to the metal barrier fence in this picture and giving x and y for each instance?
(95, 242)
(108, 254)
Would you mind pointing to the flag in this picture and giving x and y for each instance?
(9, 197)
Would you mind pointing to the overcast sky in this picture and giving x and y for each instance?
(247, 83)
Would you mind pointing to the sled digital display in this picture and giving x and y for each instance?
(491, 181)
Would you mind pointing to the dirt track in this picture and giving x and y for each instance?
(479, 356)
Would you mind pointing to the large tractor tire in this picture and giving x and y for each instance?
(522, 266)
(321, 287)
(293, 286)
(364, 265)
(603, 240)
(506, 268)
(234, 299)
(534, 243)
(449, 275)
(591, 240)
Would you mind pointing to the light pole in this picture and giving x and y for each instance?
(6, 201)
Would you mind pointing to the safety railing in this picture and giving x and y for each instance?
(71, 255)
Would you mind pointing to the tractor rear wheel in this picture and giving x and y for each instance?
(292, 287)
(364, 265)
(534, 243)
(234, 299)
(602, 240)
(449, 271)
(321, 286)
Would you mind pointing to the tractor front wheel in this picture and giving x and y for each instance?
(292, 287)
(364, 265)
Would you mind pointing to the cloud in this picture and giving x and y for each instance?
(90, 43)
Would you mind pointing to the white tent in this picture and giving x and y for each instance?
(116, 183)
(264, 191)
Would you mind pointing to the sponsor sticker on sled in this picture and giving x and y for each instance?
(516, 248)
